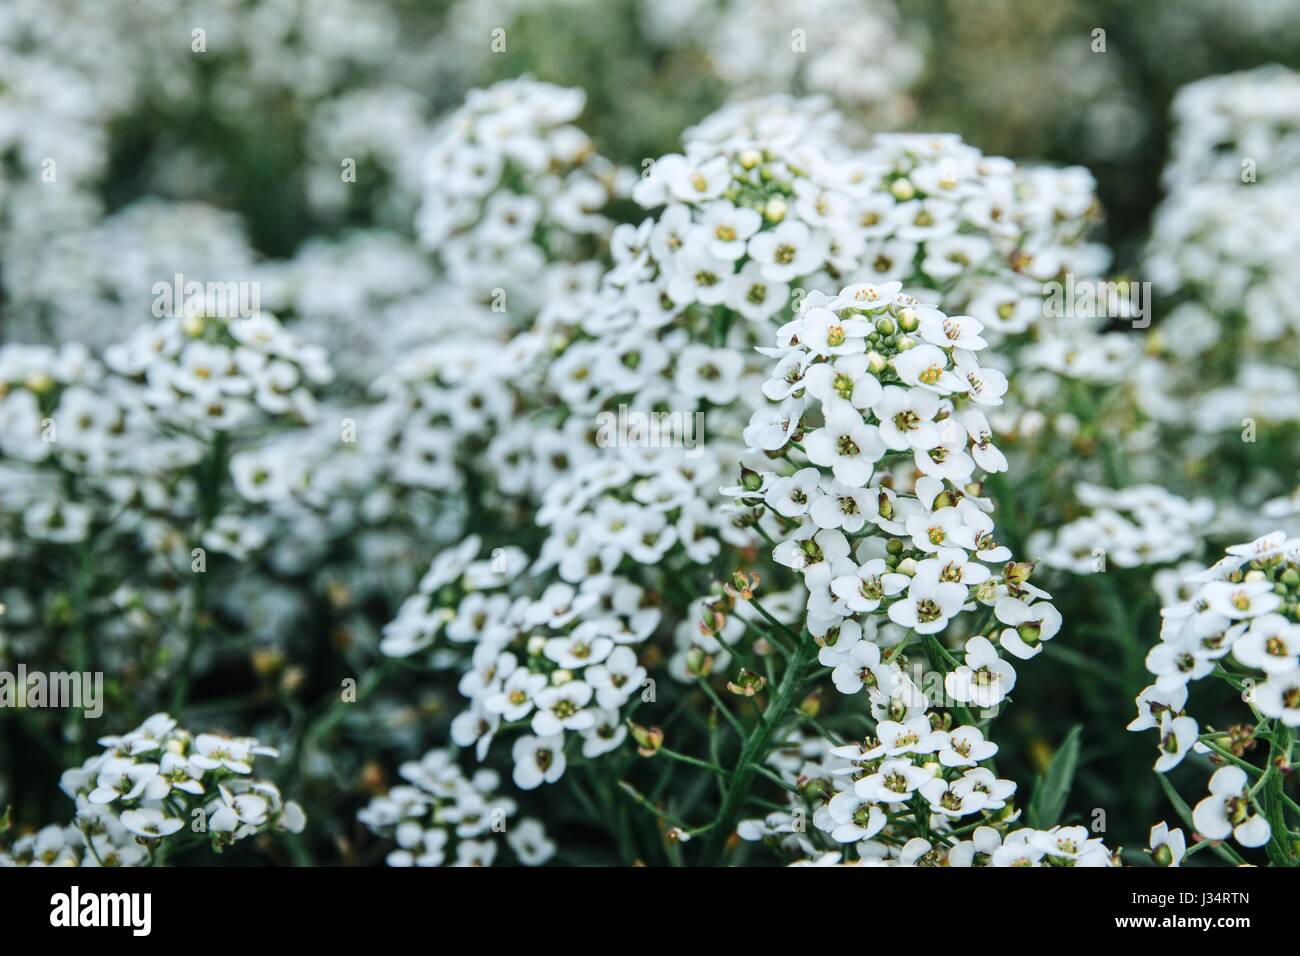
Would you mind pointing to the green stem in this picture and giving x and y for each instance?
(211, 475)
(756, 749)
(727, 715)
(1279, 846)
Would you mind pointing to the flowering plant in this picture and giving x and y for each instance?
(541, 431)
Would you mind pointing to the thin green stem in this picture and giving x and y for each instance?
(756, 749)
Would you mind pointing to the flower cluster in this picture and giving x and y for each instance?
(980, 230)
(439, 812)
(211, 372)
(609, 474)
(510, 182)
(763, 46)
(1129, 527)
(879, 510)
(1220, 252)
(136, 799)
(1239, 626)
(918, 775)
(558, 662)
(76, 266)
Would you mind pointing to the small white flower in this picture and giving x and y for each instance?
(928, 604)
(926, 366)
(847, 445)
(788, 251)
(1227, 811)
(562, 708)
(893, 783)
(963, 747)
(538, 760)
(729, 228)
(149, 823)
(1172, 842)
(984, 678)
(1178, 735)
(1279, 697)
(1271, 643)
(1241, 601)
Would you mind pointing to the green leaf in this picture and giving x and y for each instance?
(1180, 805)
(1048, 802)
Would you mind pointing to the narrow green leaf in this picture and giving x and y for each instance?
(1048, 802)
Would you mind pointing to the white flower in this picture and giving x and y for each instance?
(562, 708)
(1178, 735)
(854, 817)
(858, 666)
(950, 331)
(926, 366)
(583, 647)
(770, 429)
(842, 506)
(906, 418)
(963, 747)
(893, 783)
(1227, 811)
(606, 733)
(1168, 847)
(729, 228)
(868, 585)
(976, 791)
(1271, 643)
(1279, 697)
(1241, 601)
(236, 811)
(755, 296)
(617, 679)
(538, 760)
(983, 385)
(529, 841)
(1031, 623)
(690, 182)
(941, 530)
(793, 495)
(514, 700)
(1068, 845)
(895, 739)
(984, 678)
(847, 379)
(825, 333)
(1153, 701)
(707, 373)
(149, 823)
(788, 251)
(698, 275)
(846, 444)
(122, 778)
(212, 751)
(929, 603)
